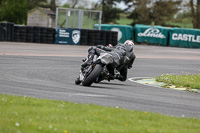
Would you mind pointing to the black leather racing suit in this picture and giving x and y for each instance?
(118, 53)
(127, 63)
(123, 59)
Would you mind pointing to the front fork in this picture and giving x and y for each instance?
(84, 72)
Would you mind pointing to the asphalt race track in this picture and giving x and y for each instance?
(49, 71)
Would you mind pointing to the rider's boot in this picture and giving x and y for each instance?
(111, 77)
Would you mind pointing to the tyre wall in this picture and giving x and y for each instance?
(6, 31)
(34, 34)
(87, 37)
(98, 37)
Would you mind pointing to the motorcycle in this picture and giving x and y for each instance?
(96, 71)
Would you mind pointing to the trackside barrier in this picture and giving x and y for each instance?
(176, 37)
(19, 33)
(151, 34)
(85, 37)
(68, 36)
(187, 38)
(6, 31)
(125, 32)
(34, 34)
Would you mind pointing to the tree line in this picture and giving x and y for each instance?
(16, 10)
(156, 12)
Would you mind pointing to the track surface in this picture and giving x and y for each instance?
(49, 71)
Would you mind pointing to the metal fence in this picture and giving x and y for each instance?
(77, 18)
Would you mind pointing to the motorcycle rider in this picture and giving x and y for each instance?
(123, 58)
(128, 62)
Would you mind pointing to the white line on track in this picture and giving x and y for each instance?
(133, 79)
(83, 94)
(89, 95)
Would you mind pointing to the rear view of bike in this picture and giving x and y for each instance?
(91, 72)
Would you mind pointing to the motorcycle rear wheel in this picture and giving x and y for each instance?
(92, 76)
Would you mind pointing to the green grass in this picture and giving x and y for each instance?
(30, 115)
(72, 21)
(88, 21)
(124, 20)
(181, 25)
(188, 81)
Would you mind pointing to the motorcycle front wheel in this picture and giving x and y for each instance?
(93, 75)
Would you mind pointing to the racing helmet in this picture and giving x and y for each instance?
(129, 45)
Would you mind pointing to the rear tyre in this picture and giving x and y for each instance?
(92, 76)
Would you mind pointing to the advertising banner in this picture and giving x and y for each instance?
(68, 36)
(125, 32)
(151, 34)
(188, 38)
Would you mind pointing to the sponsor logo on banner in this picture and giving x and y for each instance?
(76, 35)
(152, 32)
(119, 33)
(185, 37)
(63, 33)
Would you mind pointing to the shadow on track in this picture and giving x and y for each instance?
(111, 83)
(108, 85)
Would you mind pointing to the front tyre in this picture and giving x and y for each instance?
(92, 76)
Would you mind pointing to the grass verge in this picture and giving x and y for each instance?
(188, 81)
(31, 115)
(124, 20)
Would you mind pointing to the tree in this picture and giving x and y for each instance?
(0, 8)
(74, 2)
(198, 15)
(53, 5)
(153, 11)
(111, 15)
(141, 12)
(14, 11)
(195, 11)
(109, 12)
(164, 11)
(35, 3)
